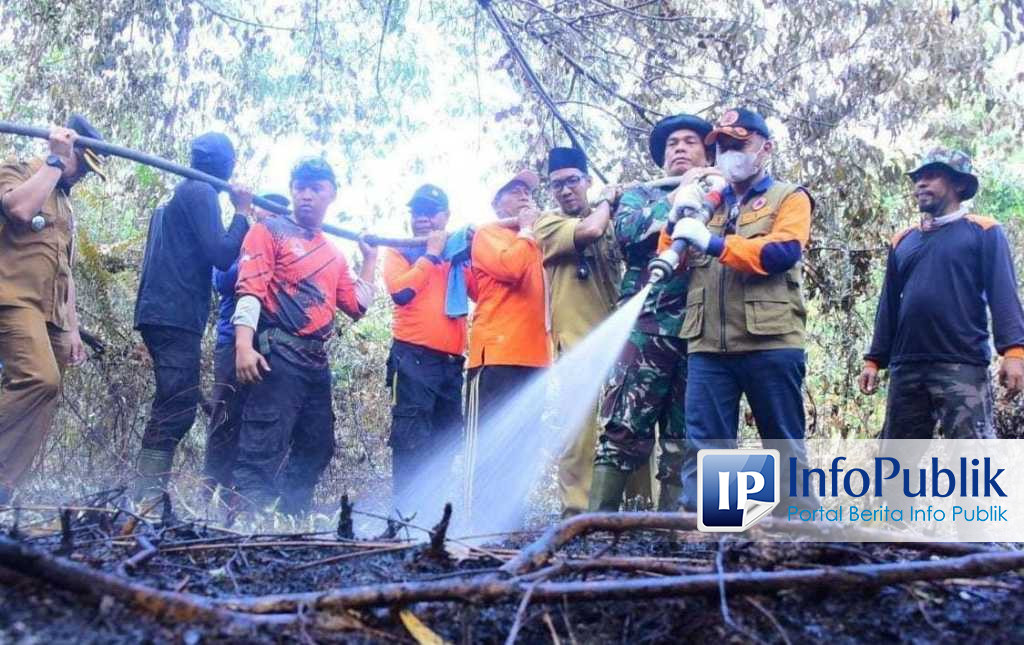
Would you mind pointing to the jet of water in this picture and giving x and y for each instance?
(530, 428)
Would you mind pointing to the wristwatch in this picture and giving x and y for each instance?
(56, 162)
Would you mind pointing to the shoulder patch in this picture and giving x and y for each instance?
(896, 239)
(983, 222)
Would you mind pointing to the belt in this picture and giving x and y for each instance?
(433, 353)
(267, 337)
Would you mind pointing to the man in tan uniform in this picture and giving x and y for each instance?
(584, 270)
(38, 322)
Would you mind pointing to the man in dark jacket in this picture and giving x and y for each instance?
(943, 279)
(228, 395)
(186, 240)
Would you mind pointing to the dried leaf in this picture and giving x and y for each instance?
(420, 632)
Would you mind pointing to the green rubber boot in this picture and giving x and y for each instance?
(154, 468)
(668, 498)
(607, 487)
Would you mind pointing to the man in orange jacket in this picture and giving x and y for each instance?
(509, 340)
(425, 366)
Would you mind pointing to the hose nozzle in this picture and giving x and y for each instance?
(662, 266)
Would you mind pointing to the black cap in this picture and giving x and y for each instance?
(313, 169)
(429, 196)
(668, 125)
(560, 158)
(739, 123)
(81, 125)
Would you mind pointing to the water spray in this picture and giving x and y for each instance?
(516, 444)
(710, 188)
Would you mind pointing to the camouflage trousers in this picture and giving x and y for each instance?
(647, 388)
(955, 396)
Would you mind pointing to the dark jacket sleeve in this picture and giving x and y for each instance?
(218, 247)
(1001, 291)
(885, 316)
(224, 281)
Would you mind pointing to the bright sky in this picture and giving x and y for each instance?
(467, 156)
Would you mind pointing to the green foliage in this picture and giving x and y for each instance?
(854, 90)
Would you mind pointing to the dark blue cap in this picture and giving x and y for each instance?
(429, 196)
(560, 158)
(739, 123)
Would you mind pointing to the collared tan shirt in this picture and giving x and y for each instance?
(35, 267)
(577, 305)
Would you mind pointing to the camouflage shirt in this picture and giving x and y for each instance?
(641, 215)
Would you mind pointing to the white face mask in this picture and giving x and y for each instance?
(737, 165)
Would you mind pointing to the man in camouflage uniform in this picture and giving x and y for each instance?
(931, 331)
(648, 383)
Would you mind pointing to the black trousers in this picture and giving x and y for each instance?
(426, 413)
(175, 354)
(226, 400)
(287, 436)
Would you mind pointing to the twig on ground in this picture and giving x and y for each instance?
(517, 624)
(349, 556)
(345, 527)
(492, 588)
(438, 535)
(166, 605)
(67, 539)
(146, 553)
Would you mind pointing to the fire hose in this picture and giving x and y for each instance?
(666, 262)
(106, 148)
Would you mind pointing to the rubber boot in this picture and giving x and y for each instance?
(668, 498)
(154, 468)
(607, 487)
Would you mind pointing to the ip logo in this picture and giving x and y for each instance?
(735, 488)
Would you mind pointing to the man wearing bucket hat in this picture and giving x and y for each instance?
(745, 313)
(509, 341)
(943, 278)
(39, 333)
(648, 382)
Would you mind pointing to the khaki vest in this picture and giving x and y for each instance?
(735, 311)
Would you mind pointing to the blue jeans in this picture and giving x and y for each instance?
(772, 381)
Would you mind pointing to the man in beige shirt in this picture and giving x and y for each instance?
(38, 322)
(584, 270)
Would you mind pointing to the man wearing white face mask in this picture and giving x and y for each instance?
(745, 314)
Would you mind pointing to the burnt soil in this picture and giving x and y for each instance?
(217, 564)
